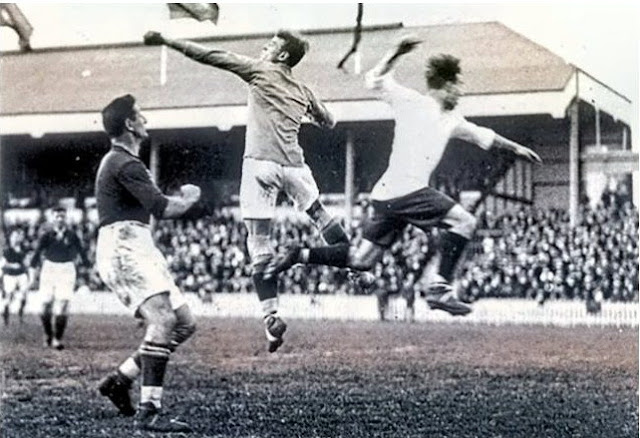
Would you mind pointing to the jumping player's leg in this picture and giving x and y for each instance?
(300, 186)
(261, 253)
(360, 258)
(461, 226)
(259, 187)
(329, 226)
(379, 232)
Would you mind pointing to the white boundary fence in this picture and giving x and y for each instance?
(364, 308)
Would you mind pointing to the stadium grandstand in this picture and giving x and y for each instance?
(579, 203)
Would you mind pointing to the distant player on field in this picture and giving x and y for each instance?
(60, 247)
(273, 160)
(15, 279)
(424, 125)
(131, 266)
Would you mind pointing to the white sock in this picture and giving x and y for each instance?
(151, 394)
(269, 306)
(130, 368)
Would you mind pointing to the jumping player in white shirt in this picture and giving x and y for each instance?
(402, 196)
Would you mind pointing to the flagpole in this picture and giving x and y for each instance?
(163, 65)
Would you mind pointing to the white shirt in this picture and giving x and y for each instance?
(421, 135)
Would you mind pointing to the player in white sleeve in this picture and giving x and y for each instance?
(424, 123)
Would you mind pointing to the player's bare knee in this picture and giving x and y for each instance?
(61, 308)
(260, 250)
(185, 330)
(169, 320)
(360, 263)
(462, 223)
(160, 328)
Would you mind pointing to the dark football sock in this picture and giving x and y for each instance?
(266, 288)
(23, 304)
(335, 255)
(451, 248)
(334, 233)
(153, 358)
(46, 324)
(60, 322)
(180, 333)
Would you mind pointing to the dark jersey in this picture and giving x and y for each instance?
(125, 191)
(59, 246)
(14, 263)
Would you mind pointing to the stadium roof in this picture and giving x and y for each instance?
(503, 73)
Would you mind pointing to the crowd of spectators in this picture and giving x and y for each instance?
(538, 254)
(528, 253)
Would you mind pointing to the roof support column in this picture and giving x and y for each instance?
(598, 139)
(154, 168)
(349, 177)
(574, 146)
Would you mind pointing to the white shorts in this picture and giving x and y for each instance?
(131, 266)
(15, 283)
(15, 286)
(263, 180)
(57, 281)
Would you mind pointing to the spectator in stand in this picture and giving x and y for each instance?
(528, 253)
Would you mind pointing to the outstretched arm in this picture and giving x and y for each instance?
(501, 142)
(243, 66)
(486, 139)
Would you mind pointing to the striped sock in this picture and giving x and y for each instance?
(153, 358)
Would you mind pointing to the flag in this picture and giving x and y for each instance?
(199, 11)
(12, 16)
(357, 35)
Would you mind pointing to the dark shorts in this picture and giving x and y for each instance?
(424, 208)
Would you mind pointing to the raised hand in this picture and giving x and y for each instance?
(529, 155)
(407, 44)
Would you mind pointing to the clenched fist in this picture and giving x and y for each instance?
(190, 192)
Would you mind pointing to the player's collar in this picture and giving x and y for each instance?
(123, 147)
(284, 67)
